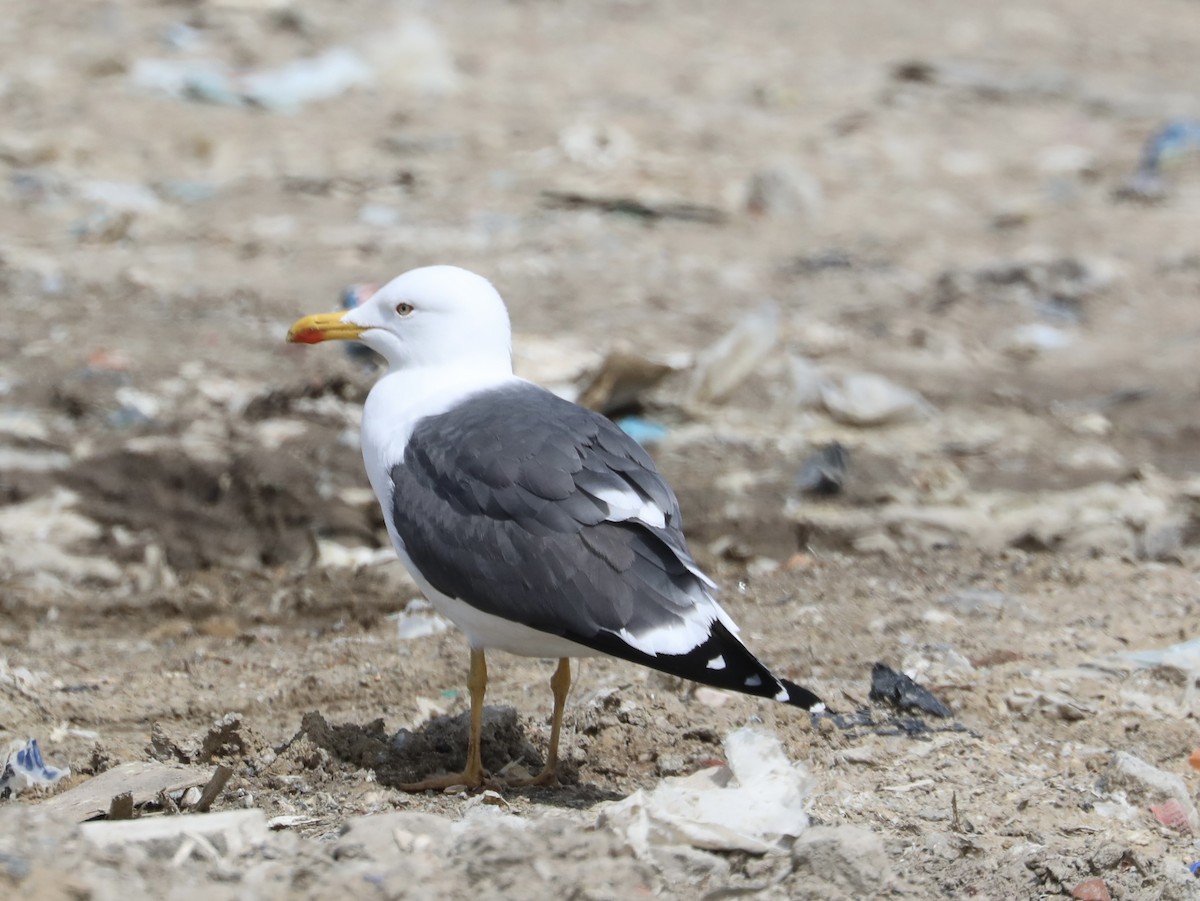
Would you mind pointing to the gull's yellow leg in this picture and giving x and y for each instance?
(560, 684)
(472, 776)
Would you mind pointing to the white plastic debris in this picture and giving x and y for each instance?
(756, 805)
(410, 55)
(1147, 784)
(25, 768)
(1184, 657)
(308, 80)
(783, 189)
(332, 555)
(1034, 339)
(807, 382)
(865, 398)
(229, 832)
(596, 145)
(283, 89)
(418, 620)
(726, 364)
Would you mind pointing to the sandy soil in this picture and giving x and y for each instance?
(182, 501)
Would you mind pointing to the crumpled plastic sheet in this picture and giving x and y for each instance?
(24, 767)
(754, 805)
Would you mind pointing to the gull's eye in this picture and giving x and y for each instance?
(404, 308)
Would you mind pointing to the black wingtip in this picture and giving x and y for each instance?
(799, 696)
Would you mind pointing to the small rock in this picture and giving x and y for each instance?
(824, 472)
(1092, 889)
(900, 691)
(670, 765)
(230, 831)
(783, 190)
(849, 858)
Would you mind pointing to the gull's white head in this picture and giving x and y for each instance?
(434, 316)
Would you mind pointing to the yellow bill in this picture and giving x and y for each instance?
(323, 327)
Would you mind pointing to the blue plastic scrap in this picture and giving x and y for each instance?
(643, 431)
(25, 767)
(1195, 868)
(1172, 139)
(354, 296)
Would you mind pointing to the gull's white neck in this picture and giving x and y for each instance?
(406, 395)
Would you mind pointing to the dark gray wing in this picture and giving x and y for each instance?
(538, 511)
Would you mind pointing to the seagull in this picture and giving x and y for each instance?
(535, 525)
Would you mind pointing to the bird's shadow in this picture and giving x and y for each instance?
(439, 745)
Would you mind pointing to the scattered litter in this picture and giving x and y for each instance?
(974, 601)
(756, 805)
(24, 768)
(1194, 759)
(939, 663)
(641, 208)
(866, 399)
(284, 89)
(1100, 519)
(724, 365)
(597, 146)
(136, 408)
(1183, 658)
(333, 555)
(1057, 287)
(22, 460)
(823, 473)
(1146, 784)
(1195, 868)
(1172, 139)
(290, 821)
(355, 296)
(643, 431)
(1171, 814)
(305, 81)
(899, 690)
(418, 620)
(620, 384)
(1034, 339)
(1054, 704)
(380, 215)
(806, 383)
(783, 190)
(144, 780)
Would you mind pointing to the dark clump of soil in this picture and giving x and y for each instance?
(438, 746)
(255, 511)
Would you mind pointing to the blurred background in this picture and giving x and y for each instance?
(903, 298)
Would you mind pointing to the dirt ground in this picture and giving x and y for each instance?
(931, 193)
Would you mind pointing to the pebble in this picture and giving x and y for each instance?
(849, 857)
(977, 601)
(867, 399)
(1092, 889)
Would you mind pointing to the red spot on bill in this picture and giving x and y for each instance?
(308, 336)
